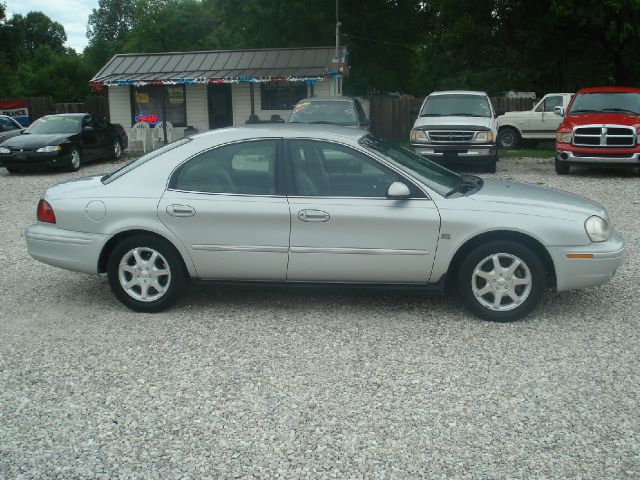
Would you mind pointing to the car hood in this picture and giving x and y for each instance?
(35, 140)
(536, 200)
(571, 121)
(439, 122)
(74, 188)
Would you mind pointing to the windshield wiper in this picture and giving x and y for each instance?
(584, 111)
(469, 183)
(431, 115)
(465, 114)
(620, 110)
(323, 122)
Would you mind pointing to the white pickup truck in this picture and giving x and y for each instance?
(539, 123)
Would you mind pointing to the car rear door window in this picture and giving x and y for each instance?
(242, 168)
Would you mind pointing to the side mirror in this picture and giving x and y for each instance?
(87, 129)
(398, 190)
(559, 111)
(500, 112)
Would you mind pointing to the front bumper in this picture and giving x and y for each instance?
(458, 153)
(597, 158)
(77, 251)
(572, 273)
(33, 160)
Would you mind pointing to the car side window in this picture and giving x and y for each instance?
(7, 125)
(331, 170)
(242, 168)
(551, 102)
(362, 118)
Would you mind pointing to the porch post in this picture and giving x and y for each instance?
(253, 107)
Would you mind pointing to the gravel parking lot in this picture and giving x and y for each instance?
(288, 383)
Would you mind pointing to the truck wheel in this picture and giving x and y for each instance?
(501, 281)
(561, 168)
(508, 138)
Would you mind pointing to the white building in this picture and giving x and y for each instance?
(213, 89)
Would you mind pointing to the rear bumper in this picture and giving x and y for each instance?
(459, 153)
(77, 251)
(572, 273)
(598, 159)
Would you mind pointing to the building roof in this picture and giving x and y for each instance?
(223, 66)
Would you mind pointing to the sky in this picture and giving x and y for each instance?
(72, 14)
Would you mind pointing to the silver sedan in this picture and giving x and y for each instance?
(316, 205)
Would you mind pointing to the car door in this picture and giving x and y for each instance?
(227, 207)
(543, 122)
(91, 139)
(345, 229)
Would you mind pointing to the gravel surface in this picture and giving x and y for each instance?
(277, 383)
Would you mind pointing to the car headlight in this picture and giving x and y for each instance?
(419, 136)
(563, 137)
(49, 148)
(483, 137)
(4, 150)
(597, 228)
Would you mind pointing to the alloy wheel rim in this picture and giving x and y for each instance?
(75, 159)
(501, 282)
(117, 149)
(144, 274)
(507, 139)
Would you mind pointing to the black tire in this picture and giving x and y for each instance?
(561, 168)
(75, 161)
(490, 167)
(167, 260)
(508, 310)
(508, 138)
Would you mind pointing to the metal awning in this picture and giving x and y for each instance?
(223, 66)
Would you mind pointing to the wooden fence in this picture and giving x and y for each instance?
(391, 117)
(96, 104)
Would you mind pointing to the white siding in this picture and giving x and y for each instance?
(120, 106)
(197, 109)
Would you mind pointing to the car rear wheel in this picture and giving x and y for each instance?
(561, 168)
(508, 138)
(145, 273)
(501, 281)
(76, 160)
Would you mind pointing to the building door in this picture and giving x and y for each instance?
(220, 108)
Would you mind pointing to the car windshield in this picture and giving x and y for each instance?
(144, 159)
(338, 113)
(431, 174)
(606, 103)
(55, 124)
(456, 105)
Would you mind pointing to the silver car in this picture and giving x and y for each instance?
(277, 204)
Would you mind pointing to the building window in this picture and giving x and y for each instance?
(146, 104)
(281, 95)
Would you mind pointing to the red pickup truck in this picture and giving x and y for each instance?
(600, 128)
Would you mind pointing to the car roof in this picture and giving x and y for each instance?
(282, 130)
(327, 99)
(609, 90)
(65, 115)
(458, 92)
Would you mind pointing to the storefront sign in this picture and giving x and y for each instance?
(150, 118)
(17, 109)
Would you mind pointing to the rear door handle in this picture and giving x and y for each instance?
(313, 216)
(181, 211)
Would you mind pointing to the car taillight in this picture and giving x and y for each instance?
(45, 212)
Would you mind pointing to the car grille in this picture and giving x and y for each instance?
(453, 136)
(604, 136)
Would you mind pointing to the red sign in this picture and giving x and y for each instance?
(150, 118)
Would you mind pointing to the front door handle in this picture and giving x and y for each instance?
(313, 216)
(181, 211)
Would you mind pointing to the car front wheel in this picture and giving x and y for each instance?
(117, 149)
(501, 281)
(508, 138)
(76, 160)
(145, 273)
